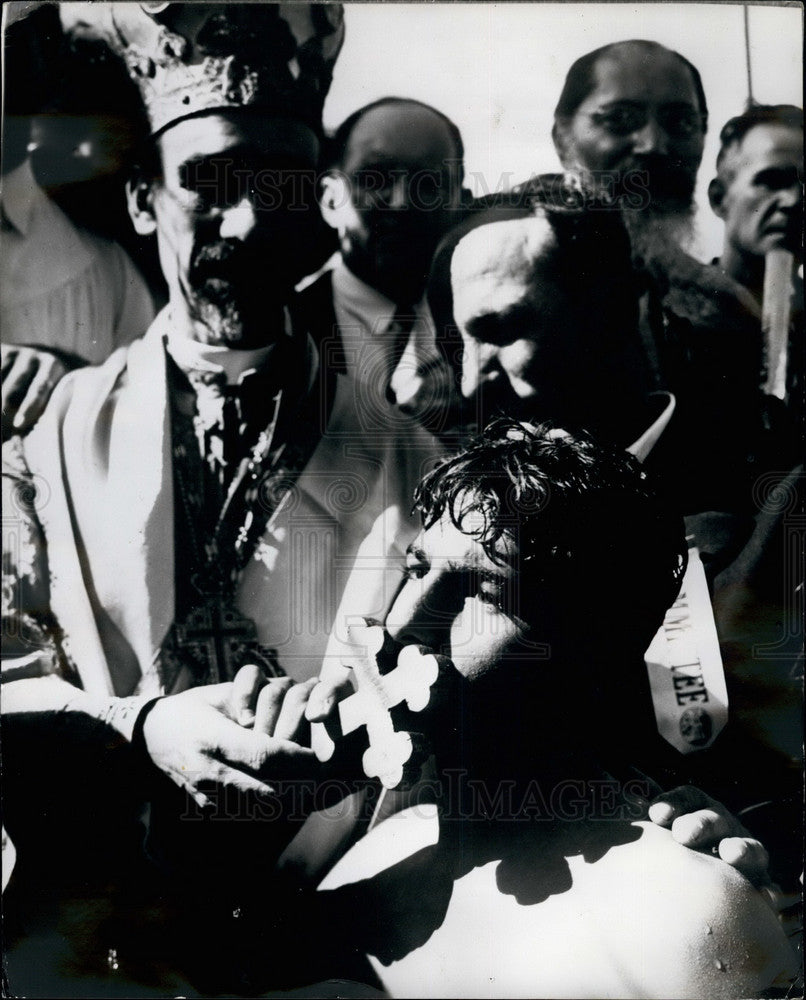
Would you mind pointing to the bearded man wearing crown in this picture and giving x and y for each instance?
(184, 518)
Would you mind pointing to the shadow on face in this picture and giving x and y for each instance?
(393, 195)
(546, 309)
(519, 324)
(759, 191)
(639, 131)
(233, 211)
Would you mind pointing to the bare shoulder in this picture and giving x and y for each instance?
(646, 918)
(690, 920)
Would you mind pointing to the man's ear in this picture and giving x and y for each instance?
(140, 202)
(561, 144)
(716, 196)
(334, 194)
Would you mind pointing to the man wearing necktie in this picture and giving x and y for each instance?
(392, 190)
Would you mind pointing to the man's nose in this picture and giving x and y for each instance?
(651, 138)
(478, 362)
(399, 194)
(238, 221)
(791, 196)
(415, 616)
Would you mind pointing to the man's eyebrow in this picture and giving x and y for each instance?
(491, 576)
(482, 573)
(626, 102)
(234, 155)
(779, 174)
(621, 102)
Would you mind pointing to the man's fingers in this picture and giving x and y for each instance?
(746, 855)
(9, 354)
(231, 777)
(39, 392)
(327, 693)
(677, 802)
(260, 756)
(17, 379)
(662, 813)
(246, 687)
(703, 828)
(269, 704)
(291, 720)
(289, 761)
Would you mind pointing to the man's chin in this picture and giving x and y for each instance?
(780, 240)
(240, 329)
(497, 400)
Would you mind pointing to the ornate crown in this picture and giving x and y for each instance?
(187, 58)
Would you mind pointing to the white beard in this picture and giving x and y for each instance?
(657, 236)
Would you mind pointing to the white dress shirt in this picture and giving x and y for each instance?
(364, 316)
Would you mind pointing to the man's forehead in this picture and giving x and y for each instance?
(218, 133)
(443, 542)
(505, 264)
(642, 74)
(508, 248)
(769, 142)
(399, 132)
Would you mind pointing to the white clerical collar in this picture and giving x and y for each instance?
(191, 356)
(18, 193)
(644, 444)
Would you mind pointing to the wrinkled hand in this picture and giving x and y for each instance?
(703, 824)
(29, 377)
(200, 737)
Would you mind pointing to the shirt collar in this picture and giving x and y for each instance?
(361, 299)
(191, 356)
(643, 445)
(18, 193)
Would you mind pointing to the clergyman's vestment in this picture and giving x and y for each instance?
(99, 554)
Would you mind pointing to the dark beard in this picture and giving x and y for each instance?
(230, 296)
(658, 183)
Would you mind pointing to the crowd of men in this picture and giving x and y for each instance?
(219, 604)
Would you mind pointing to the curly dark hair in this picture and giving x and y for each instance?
(567, 504)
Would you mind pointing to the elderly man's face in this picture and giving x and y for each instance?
(395, 197)
(458, 601)
(522, 331)
(231, 221)
(759, 192)
(639, 132)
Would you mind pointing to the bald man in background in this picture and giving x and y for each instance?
(391, 189)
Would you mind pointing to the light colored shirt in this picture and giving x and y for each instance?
(61, 286)
(364, 315)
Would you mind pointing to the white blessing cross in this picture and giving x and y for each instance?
(410, 681)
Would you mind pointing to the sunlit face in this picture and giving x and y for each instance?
(457, 600)
(762, 183)
(521, 358)
(395, 197)
(231, 221)
(521, 330)
(639, 133)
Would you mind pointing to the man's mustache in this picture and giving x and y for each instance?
(666, 176)
(227, 261)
